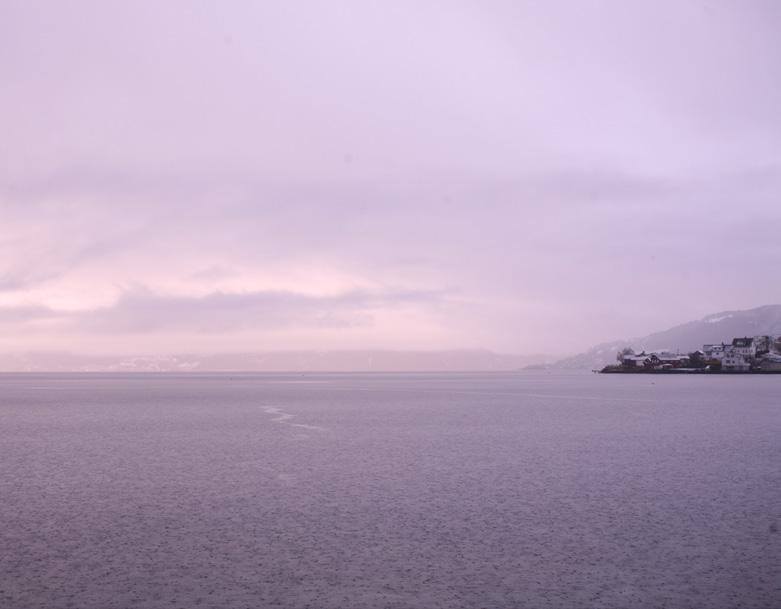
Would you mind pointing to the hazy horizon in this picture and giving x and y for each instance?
(517, 177)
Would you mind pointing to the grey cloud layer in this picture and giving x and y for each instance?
(142, 311)
(561, 167)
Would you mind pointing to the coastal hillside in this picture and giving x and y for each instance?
(686, 337)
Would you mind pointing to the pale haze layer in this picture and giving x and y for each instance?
(518, 176)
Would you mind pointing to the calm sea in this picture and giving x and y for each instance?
(389, 490)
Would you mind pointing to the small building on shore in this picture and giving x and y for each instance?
(714, 352)
(632, 360)
(744, 346)
(735, 362)
(770, 363)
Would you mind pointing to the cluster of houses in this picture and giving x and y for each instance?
(747, 354)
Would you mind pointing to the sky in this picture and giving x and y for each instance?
(525, 177)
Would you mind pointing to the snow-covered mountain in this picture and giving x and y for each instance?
(686, 337)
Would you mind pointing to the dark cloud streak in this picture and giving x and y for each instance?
(142, 311)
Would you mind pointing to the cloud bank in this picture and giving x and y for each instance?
(515, 176)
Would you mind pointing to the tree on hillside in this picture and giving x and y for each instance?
(697, 359)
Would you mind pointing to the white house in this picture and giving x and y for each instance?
(634, 361)
(762, 344)
(744, 346)
(734, 361)
(714, 352)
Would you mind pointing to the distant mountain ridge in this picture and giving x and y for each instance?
(279, 361)
(715, 328)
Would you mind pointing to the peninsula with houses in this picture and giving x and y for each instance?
(746, 355)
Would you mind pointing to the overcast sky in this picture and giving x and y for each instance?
(518, 176)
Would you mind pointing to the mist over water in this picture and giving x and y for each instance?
(364, 491)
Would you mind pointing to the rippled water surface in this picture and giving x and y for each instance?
(363, 491)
